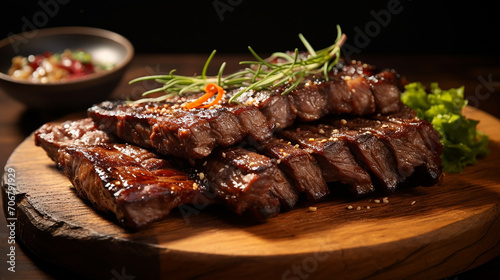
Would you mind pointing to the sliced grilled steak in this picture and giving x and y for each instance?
(403, 138)
(275, 106)
(131, 182)
(248, 183)
(83, 132)
(171, 130)
(136, 185)
(334, 157)
(394, 149)
(299, 165)
(352, 88)
(370, 153)
(407, 116)
(385, 87)
(345, 92)
(380, 143)
(361, 95)
(140, 187)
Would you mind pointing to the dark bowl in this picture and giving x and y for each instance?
(104, 47)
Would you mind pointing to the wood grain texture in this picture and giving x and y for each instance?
(430, 232)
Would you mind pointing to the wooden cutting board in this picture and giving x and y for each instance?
(420, 233)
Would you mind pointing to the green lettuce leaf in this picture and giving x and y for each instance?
(462, 143)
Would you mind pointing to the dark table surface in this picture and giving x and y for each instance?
(479, 75)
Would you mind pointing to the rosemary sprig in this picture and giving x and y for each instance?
(259, 74)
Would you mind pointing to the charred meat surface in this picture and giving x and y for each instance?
(300, 166)
(140, 187)
(257, 156)
(386, 91)
(136, 185)
(344, 92)
(131, 182)
(370, 153)
(407, 116)
(171, 130)
(334, 157)
(83, 132)
(248, 183)
(383, 150)
(414, 144)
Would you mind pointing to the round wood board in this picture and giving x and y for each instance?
(430, 232)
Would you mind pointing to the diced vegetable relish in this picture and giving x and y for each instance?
(58, 67)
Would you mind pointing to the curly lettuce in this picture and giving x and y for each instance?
(462, 143)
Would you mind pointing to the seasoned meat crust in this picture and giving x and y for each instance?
(136, 185)
(169, 129)
(83, 132)
(257, 157)
(140, 187)
(131, 182)
(249, 182)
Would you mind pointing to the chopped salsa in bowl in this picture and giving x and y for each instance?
(55, 67)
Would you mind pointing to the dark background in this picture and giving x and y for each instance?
(420, 27)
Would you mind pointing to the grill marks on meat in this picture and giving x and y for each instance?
(355, 89)
(383, 151)
(370, 153)
(249, 183)
(334, 157)
(343, 93)
(298, 165)
(171, 130)
(381, 145)
(415, 146)
(134, 184)
(83, 132)
(140, 187)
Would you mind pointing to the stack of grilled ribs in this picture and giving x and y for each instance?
(258, 157)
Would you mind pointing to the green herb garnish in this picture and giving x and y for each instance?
(83, 57)
(462, 143)
(259, 74)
